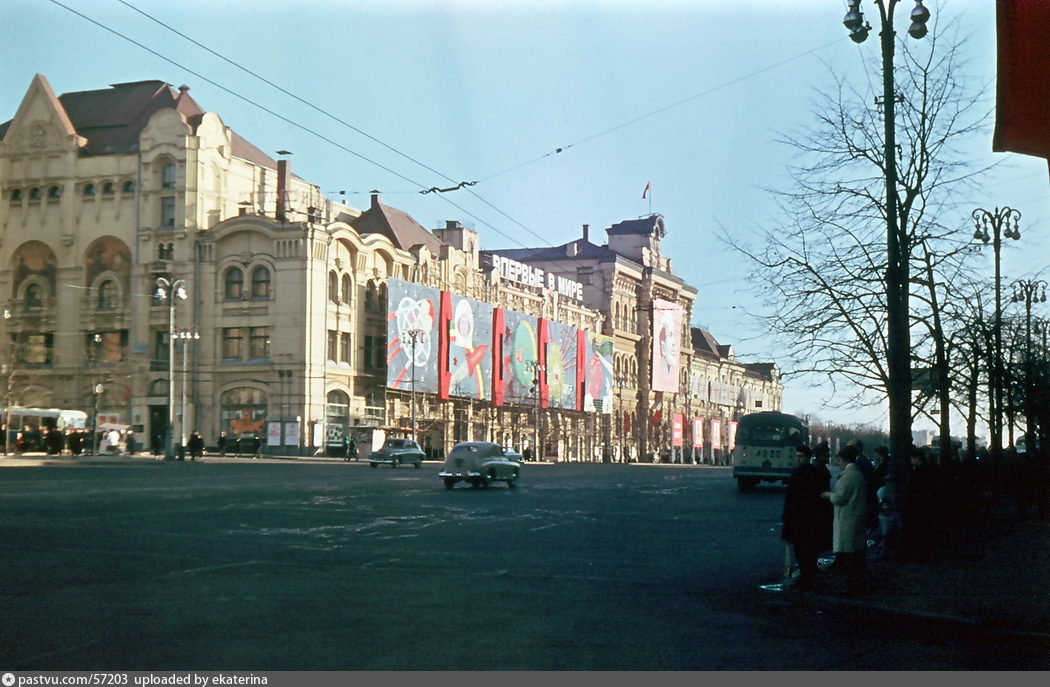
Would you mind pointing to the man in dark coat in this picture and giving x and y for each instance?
(807, 522)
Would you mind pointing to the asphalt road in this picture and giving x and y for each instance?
(335, 566)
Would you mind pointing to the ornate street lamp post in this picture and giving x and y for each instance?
(416, 336)
(185, 336)
(1029, 291)
(170, 290)
(1004, 223)
(898, 336)
(537, 371)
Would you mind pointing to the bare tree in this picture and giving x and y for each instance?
(822, 271)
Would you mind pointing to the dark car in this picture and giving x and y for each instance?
(481, 463)
(395, 452)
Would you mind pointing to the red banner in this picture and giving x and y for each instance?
(732, 436)
(698, 432)
(716, 434)
(1022, 107)
(677, 427)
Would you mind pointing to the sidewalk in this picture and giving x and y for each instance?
(991, 576)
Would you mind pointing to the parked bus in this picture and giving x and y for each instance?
(765, 448)
(38, 418)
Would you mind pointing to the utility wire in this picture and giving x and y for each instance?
(663, 109)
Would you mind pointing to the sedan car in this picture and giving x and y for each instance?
(395, 452)
(481, 463)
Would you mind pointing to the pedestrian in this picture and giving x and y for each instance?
(351, 449)
(919, 508)
(256, 445)
(130, 444)
(804, 518)
(196, 446)
(849, 535)
(220, 443)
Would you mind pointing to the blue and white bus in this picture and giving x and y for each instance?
(765, 448)
(38, 418)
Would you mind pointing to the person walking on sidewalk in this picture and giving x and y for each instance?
(220, 443)
(806, 525)
(849, 536)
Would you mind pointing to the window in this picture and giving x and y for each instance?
(338, 411)
(261, 283)
(54, 193)
(16, 195)
(165, 251)
(234, 282)
(107, 295)
(167, 211)
(89, 191)
(370, 297)
(374, 351)
(107, 347)
(128, 187)
(107, 188)
(36, 349)
(258, 342)
(333, 345)
(160, 350)
(344, 347)
(34, 299)
(232, 343)
(34, 193)
(348, 288)
(333, 287)
(167, 176)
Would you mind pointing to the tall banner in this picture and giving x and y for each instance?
(469, 348)
(732, 436)
(519, 358)
(716, 434)
(412, 336)
(698, 432)
(561, 365)
(677, 427)
(598, 371)
(667, 337)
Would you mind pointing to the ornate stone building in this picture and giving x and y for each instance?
(289, 330)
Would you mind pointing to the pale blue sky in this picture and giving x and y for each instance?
(473, 89)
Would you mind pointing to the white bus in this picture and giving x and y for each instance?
(17, 419)
(765, 448)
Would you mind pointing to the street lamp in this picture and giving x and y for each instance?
(185, 336)
(9, 373)
(1003, 222)
(416, 335)
(898, 336)
(1029, 291)
(170, 290)
(285, 397)
(98, 390)
(537, 369)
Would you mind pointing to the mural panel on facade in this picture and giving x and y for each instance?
(561, 366)
(33, 258)
(412, 336)
(520, 355)
(470, 348)
(107, 254)
(598, 371)
(667, 337)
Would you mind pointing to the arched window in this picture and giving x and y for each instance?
(107, 188)
(348, 288)
(370, 297)
(243, 412)
(16, 195)
(234, 283)
(381, 298)
(34, 193)
(34, 299)
(107, 295)
(128, 187)
(167, 175)
(54, 193)
(338, 409)
(333, 287)
(261, 283)
(89, 191)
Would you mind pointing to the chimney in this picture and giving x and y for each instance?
(586, 232)
(375, 200)
(282, 189)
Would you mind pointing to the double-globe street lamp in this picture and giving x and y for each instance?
(1004, 223)
(185, 336)
(416, 336)
(898, 336)
(170, 290)
(1029, 291)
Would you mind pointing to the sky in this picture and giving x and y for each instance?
(400, 96)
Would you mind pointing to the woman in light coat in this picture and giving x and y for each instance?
(849, 535)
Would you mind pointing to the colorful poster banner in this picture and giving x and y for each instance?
(560, 366)
(470, 348)
(598, 371)
(667, 337)
(412, 336)
(519, 359)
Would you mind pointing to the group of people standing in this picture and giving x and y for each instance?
(819, 517)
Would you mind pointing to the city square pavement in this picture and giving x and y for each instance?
(986, 582)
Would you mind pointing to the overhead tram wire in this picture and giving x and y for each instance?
(661, 110)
